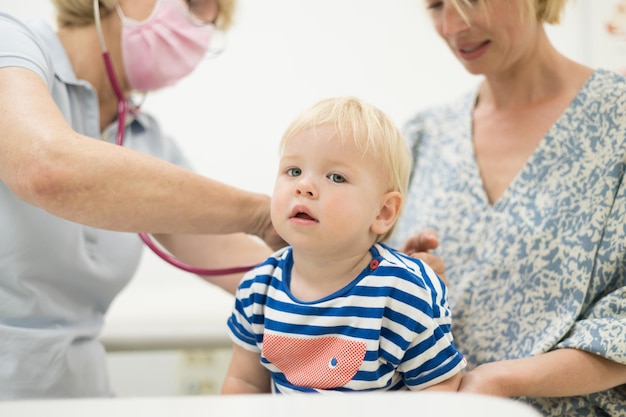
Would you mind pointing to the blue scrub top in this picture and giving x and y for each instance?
(58, 278)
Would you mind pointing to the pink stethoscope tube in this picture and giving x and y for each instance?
(123, 109)
(189, 268)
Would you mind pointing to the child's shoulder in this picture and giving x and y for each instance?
(404, 266)
(392, 256)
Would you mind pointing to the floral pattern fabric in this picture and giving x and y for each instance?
(545, 266)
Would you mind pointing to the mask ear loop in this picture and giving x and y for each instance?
(122, 109)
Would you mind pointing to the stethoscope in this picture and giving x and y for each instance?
(124, 108)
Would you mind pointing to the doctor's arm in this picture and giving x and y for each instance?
(47, 164)
(217, 252)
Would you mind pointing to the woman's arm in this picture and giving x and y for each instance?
(558, 373)
(245, 374)
(46, 163)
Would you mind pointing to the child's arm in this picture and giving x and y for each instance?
(450, 384)
(245, 374)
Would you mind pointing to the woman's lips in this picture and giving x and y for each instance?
(469, 52)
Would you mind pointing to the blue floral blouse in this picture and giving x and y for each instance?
(545, 266)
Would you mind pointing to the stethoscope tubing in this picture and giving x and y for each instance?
(189, 268)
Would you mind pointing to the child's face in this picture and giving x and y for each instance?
(327, 196)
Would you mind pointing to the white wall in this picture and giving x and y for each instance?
(281, 57)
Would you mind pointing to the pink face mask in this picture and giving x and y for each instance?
(165, 47)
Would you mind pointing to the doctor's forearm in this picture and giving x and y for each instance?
(109, 187)
(217, 252)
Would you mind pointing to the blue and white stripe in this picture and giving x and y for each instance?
(399, 309)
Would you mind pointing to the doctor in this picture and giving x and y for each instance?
(69, 195)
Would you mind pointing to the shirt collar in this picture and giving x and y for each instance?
(62, 65)
(65, 72)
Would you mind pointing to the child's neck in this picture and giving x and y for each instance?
(315, 277)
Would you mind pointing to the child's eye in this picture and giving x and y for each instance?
(294, 172)
(336, 178)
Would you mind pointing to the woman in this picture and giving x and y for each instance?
(68, 192)
(522, 182)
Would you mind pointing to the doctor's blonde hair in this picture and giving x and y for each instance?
(76, 13)
(373, 132)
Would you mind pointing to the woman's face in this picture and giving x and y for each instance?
(490, 40)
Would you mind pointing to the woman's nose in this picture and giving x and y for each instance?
(452, 21)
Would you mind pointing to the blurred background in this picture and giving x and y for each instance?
(166, 333)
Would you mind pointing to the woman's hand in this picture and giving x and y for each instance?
(420, 245)
(272, 238)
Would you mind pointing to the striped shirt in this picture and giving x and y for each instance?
(389, 329)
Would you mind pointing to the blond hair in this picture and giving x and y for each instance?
(544, 11)
(372, 131)
(71, 13)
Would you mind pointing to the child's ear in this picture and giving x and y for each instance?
(388, 213)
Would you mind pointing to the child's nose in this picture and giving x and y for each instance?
(306, 188)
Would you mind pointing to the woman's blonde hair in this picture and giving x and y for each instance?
(373, 132)
(545, 11)
(80, 12)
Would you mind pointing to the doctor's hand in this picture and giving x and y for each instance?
(272, 238)
(420, 245)
(262, 227)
